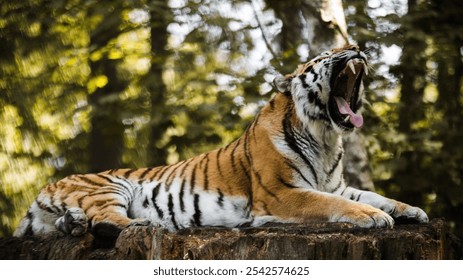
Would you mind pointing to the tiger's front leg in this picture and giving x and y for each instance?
(393, 207)
(302, 205)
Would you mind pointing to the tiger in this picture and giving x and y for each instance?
(287, 167)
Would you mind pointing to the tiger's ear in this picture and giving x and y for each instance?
(283, 83)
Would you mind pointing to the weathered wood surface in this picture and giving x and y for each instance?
(277, 241)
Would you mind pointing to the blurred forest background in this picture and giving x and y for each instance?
(90, 85)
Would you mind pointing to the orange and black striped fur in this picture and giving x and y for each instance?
(286, 167)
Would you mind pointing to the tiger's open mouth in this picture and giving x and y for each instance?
(344, 101)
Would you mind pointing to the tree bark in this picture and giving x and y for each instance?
(275, 241)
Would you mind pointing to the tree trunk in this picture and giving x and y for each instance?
(288, 241)
(413, 64)
(107, 135)
(160, 17)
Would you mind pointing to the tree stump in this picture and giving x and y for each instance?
(275, 241)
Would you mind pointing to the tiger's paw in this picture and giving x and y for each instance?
(140, 222)
(262, 220)
(407, 212)
(367, 216)
(74, 222)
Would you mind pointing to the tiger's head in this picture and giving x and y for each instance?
(328, 89)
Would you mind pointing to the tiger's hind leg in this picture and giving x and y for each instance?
(111, 220)
(74, 222)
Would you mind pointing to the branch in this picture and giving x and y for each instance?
(266, 41)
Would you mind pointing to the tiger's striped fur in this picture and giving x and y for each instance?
(286, 167)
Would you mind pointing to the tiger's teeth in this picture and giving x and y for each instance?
(351, 66)
(347, 118)
(365, 69)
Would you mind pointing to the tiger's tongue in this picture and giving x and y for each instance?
(344, 108)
